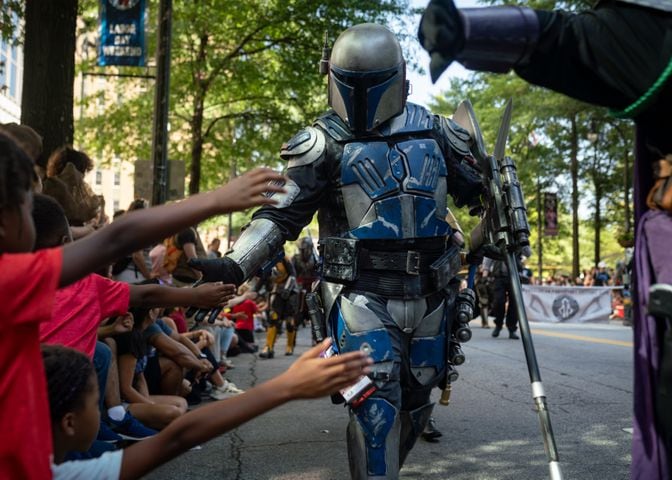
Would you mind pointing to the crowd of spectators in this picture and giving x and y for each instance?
(107, 302)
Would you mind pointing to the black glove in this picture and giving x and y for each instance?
(441, 33)
(222, 270)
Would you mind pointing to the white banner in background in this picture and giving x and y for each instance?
(567, 304)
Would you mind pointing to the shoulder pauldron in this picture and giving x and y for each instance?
(458, 137)
(304, 148)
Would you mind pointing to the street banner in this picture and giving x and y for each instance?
(567, 304)
(550, 214)
(122, 33)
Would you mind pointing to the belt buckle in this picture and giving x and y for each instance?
(413, 262)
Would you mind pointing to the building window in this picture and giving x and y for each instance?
(11, 65)
(99, 177)
(117, 178)
(115, 206)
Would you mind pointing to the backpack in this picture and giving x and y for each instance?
(172, 255)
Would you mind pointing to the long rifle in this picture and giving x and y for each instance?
(503, 233)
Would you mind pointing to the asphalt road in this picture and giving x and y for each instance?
(491, 431)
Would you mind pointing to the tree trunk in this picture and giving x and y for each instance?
(626, 190)
(196, 146)
(574, 169)
(201, 86)
(49, 70)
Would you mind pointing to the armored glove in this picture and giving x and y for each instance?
(218, 270)
(441, 33)
(214, 270)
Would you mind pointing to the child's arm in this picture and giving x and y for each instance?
(179, 353)
(207, 295)
(309, 377)
(140, 228)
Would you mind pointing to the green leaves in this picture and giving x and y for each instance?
(244, 79)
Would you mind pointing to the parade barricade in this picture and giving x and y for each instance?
(553, 304)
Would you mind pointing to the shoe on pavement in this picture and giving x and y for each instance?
(495, 332)
(220, 395)
(431, 433)
(513, 336)
(266, 353)
(226, 362)
(107, 435)
(229, 387)
(130, 428)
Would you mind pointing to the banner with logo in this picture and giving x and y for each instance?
(550, 214)
(122, 33)
(567, 304)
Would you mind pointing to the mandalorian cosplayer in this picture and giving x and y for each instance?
(378, 171)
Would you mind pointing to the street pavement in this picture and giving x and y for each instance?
(490, 429)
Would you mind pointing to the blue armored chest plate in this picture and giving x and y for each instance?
(394, 191)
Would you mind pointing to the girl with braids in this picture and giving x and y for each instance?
(28, 283)
(73, 399)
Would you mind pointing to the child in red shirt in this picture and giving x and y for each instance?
(242, 312)
(81, 307)
(28, 283)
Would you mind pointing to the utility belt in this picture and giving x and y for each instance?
(388, 273)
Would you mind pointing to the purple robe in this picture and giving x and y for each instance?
(653, 264)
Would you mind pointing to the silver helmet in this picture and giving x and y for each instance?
(367, 77)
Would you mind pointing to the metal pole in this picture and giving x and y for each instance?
(540, 232)
(538, 393)
(161, 105)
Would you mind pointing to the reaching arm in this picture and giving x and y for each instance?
(308, 182)
(140, 228)
(207, 295)
(309, 377)
(609, 55)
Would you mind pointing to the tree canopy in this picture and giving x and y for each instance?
(244, 78)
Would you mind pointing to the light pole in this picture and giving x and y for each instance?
(161, 105)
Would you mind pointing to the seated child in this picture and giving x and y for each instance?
(73, 397)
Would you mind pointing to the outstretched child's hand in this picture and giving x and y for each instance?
(210, 295)
(312, 376)
(250, 190)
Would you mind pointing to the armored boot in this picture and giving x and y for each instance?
(412, 425)
(291, 342)
(271, 333)
(373, 441)
(431, 433)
